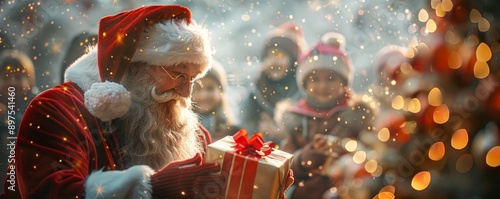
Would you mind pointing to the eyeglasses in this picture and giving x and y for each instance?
(181, 79)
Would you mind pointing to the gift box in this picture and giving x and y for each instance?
(250, 167)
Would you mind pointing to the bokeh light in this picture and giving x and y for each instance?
(493, 157)
(414, 105)
(460, 139)
(371, 166)
(421, 180)
(398, 102)
(384, 134)
(441, 114)
(351, 145)
(386, 192)
(483, 52)
(481, 70)
(359, 157)
(435, 97)
(437, 151)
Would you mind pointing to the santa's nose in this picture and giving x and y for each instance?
(185, 90)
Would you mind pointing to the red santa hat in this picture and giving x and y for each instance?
(156, 35)
(329, 54)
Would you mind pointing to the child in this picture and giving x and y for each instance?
(211, 103)
(325, 119)
(276, 81)
(18, 88)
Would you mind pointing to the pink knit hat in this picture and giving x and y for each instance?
(329, 54)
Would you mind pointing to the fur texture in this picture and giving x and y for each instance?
(84, 71)
(107, 100)
(167, 44)
(172, 43)
(133, 183)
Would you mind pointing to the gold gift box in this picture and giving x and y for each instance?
(250, 176)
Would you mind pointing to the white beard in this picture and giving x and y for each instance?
(156, 133)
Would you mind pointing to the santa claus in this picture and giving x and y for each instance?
(121, 126)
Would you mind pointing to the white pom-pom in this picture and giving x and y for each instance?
(107, 100)
(334, 39)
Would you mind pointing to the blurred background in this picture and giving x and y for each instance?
(443, 142)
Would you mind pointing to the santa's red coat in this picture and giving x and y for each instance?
(60, 144)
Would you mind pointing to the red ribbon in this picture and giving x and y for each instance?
(255, 146)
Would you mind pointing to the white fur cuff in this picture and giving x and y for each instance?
(132, 183)
(107, 100)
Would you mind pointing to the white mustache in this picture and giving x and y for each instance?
(166, 96)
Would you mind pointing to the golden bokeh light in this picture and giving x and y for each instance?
(459, 139)
(435, 97)
(447, 5)
(384, 195)
(398, 102)
(435, 3)
(431, 26)
(481, 70)
(493, 157)
(386, 192)
(421, 180)
(384, 134)
(440, 12)
(441, 114)
(359, 157)
(483, 52)
(371, 166)
(414, 105)
(464, 163)
(437, 151)
(351, 145)
(423, 16)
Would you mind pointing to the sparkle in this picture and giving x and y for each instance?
(119, 38)
(99, 190)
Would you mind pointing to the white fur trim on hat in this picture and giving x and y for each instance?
(172, 43)
(107, 100)
(104, 100)
(134, 182)
(333, 63)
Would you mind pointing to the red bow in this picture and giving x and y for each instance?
(255, 146)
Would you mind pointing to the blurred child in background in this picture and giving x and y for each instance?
(276, 81)
(211, 103)
(325, 120)
(18, 88)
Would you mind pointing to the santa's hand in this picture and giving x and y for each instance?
(178, 178)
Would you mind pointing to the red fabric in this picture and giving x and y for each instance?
(119, 35)
(55, 148)
(64, 141)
